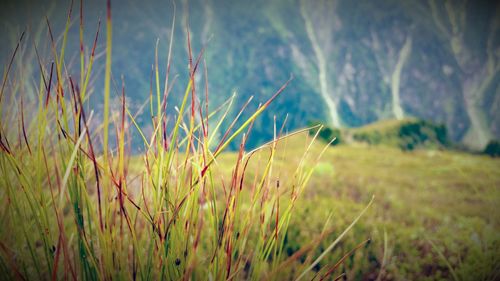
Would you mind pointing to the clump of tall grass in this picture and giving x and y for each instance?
(75, 205)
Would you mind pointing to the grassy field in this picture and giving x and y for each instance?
(435, 214)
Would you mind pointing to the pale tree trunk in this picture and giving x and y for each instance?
(479, 132)
(185, 21)
(404, 54)
(390, 64)
(321, 62)
(476, 80)
(207, 26)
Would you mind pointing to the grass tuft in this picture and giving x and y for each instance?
(75, 206)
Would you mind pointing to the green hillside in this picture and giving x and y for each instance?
(406, 134)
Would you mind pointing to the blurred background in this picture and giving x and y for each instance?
(354, 62)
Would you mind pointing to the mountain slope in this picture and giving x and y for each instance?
(353, 63)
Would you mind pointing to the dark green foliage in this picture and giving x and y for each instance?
(422, 133)
(327, 134)
(493, 148)
(406, 134)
